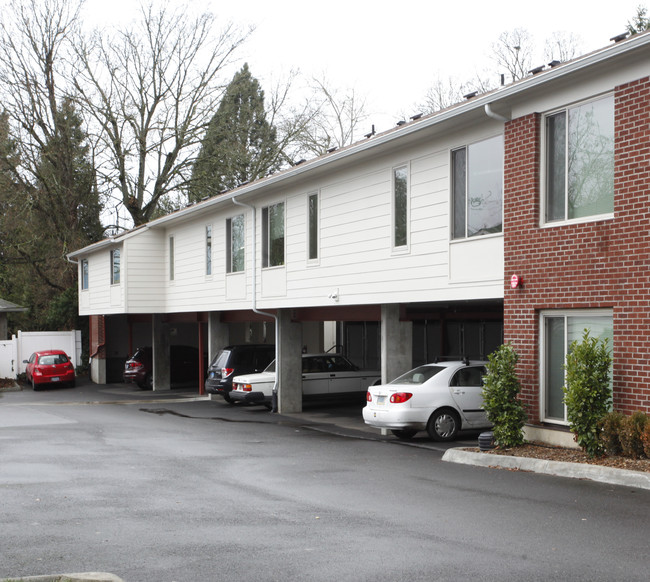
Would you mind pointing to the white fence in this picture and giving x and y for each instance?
(17, 349)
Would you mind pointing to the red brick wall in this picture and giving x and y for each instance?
(97, 337)
(604, 264)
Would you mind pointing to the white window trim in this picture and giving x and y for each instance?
(112, 273)
(403, 249)
(313, 262)
(228, 258)
(596, 312)
(543, 165)
(208, 275)
(171, 258)
(83, 287)
(268, 241)
(466, 146)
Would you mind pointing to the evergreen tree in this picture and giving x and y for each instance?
(240, 145)
(50, 208)
(640, 22)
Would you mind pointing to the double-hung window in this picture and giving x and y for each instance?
(559, 329)
(477, 188)
(579, 171)
(208, 249)
(273, 235)
(235, 244)
(312, 226)
(84, 274)
(115, 267)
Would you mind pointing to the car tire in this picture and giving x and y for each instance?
(147, 384)
(73, 383)
(443, 425)
(226, 397)
(35, 387)
(404, 434)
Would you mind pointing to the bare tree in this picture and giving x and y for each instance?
(562, 46)
(151, 91)
(329, 118)
(513, 53)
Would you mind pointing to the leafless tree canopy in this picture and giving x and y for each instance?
(151, 91)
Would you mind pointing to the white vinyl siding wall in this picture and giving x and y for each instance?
(355, 245)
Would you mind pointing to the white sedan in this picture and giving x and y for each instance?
(440, 398)
(323, 375)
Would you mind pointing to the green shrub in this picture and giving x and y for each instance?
(586, 391)
(501, 403)
(632, 429)
(610, 428)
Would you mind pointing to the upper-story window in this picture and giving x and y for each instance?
(235, 244)
(84, 273)
(312, 225)
(115, 267)
(400, 206)
(580, 161)
(273, 235)
(208, 249)
(171, 258)
(477, 188)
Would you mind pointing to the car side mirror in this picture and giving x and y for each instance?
(25, 361)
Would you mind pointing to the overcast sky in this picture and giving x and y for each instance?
(392, 52)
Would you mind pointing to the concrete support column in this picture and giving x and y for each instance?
(396, 344)
(289, 364)
(160, 354)
(218, 334)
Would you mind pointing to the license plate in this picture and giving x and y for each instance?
(381, 400)
(55, 379)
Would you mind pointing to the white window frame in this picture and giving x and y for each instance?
(266, 236)
(544, 168)
(229, 241)
(85, 278)
(452, 216)
(208, 249)
(115, 280)
(556, 313)
(172, 258)
(313, 260)
(401, 248)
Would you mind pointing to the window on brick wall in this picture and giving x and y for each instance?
(477, 188)
(558, 330)
(579, 161)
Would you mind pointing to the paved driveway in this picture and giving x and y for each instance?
(167, 487)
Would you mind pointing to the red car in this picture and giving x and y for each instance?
(49, 367)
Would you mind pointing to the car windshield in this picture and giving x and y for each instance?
(418, 375)
(52, 360)
(221, 359)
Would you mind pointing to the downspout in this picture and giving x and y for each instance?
(254, 303)
(493, 115)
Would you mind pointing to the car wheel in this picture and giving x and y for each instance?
(404, 434)
(226, 397)
(73, 383)
(443, 425)
(35, 387)
(147, 384)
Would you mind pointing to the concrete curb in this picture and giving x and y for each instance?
(82, 577)
(558, 468)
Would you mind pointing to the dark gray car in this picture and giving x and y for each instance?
(233, 361)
